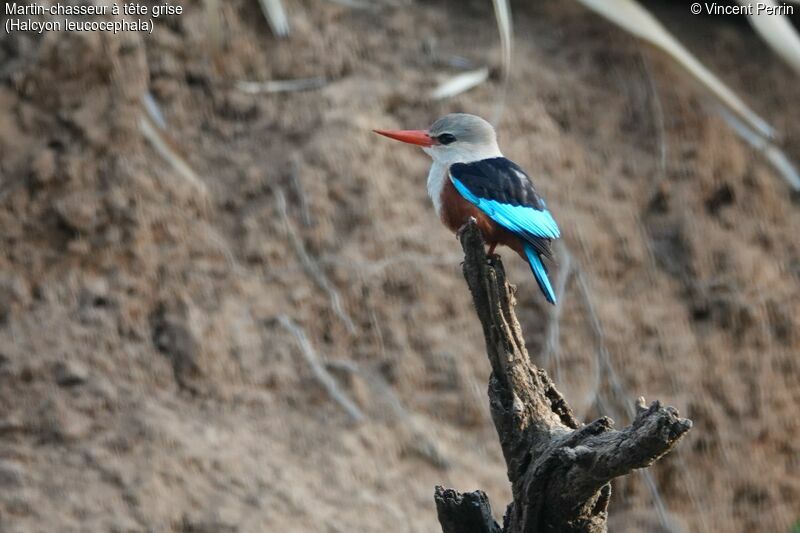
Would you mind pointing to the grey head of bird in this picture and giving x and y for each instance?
(454, 138)
(462, 138)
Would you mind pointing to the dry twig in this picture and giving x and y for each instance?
(318, 369)
(181, 167)
(310, 265)
(294, 174)
(552, 345)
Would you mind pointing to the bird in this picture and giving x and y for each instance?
(470, 178)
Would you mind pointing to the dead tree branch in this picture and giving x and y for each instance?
(559, 468)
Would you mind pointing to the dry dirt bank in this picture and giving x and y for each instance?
(146, 383)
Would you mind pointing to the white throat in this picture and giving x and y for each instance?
(444, 156)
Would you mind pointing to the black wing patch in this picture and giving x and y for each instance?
(498, 179)
(502, 190)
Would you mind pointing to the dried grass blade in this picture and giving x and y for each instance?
(772, 152)
(777, 31)
(356, 4)
(154, 110)
(213, 15)
(276, 17)
(636, 20)
(281, 86)
(460, 83)
(502, 13)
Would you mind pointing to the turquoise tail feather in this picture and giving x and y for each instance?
(540, 273)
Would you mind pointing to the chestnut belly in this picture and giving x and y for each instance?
(456, 211)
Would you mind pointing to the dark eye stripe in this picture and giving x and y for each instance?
(446, 138)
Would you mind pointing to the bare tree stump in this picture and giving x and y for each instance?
(559, 468)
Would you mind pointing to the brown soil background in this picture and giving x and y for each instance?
(146, 384)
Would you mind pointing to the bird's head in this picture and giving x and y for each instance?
(454, 138)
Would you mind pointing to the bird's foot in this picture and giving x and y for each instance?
(491, 257)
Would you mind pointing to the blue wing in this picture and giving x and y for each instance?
(503, 191)
(526, 221)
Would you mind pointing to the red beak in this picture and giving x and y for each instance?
(418, 137)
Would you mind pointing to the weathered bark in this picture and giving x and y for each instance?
(465, 513)
(559, 468)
